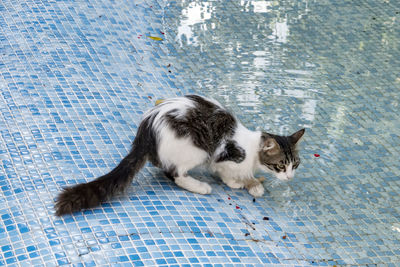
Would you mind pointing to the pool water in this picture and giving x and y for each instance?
(76, 77)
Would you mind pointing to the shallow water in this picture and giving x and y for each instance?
(76, 76)
(325, 66)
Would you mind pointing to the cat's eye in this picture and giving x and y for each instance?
(280, 166)
(296, 164)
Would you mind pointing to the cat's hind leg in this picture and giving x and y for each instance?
(189, 183)
(178, 156)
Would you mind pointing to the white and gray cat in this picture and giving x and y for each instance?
(182, 133)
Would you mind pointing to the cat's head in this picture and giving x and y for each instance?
(278, 154)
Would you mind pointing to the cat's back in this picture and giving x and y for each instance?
(190, 107)
(203, 120)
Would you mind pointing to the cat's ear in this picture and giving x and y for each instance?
(270, 146)
(295, 138)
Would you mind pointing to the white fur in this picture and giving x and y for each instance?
(286, 176)
(290, 171)
(193, 185)
(281, 176)
(250, 142)
(179, 152)
(232, 173)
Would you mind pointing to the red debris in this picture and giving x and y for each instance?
(162, 32)
(284, 237)
(316, 155)
(229, 198)
(237, 207)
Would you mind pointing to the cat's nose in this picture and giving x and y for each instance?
(290, 174)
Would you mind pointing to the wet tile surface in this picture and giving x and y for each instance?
(76, 76)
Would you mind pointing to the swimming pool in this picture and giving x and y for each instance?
(76, 76)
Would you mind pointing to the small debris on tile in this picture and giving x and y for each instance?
(254, 200)
(229, 198)
(237, 207)
(155, 38)
(149, 97)
(316, 155)
(246, 234)
(169, 65)
(162, 32)
(284, 237)
(159, 101)
(266, 219)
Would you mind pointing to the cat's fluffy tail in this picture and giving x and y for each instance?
(89, 195)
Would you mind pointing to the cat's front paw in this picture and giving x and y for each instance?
(204, 189)
(234, 184)
(256, 190)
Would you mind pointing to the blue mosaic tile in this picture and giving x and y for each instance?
(76, 77)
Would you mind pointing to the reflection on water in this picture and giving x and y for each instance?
(248, 65)
(194, 13)
(328, 66)
(253, 60)
(280, 31)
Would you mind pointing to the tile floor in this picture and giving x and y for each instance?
(76, 76)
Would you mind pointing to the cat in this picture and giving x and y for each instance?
(182, 133)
